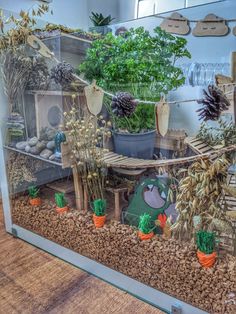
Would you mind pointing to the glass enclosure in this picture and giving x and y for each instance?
(106, 154)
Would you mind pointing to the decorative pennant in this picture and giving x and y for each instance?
(38, 45)
(176, 24)
(162, 117)
(94, 96)
(234, 31)
(211, 25)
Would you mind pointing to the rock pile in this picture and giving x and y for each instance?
(166, 265)
(35, 146)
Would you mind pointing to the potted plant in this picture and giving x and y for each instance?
(145, 227)
(99, 209)
(35, 200)
(206, 243)
(143, 67)
(100, 23)
(61, 203)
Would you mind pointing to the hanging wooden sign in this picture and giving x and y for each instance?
(94, 96)
(176, 24)
(211, 25)
(162, 117)
(234, 31)
(38, 45)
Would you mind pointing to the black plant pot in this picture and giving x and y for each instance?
(138, 145)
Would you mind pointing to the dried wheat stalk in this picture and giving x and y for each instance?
(199, 194)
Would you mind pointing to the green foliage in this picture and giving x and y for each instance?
(143, 119)
(138, 63)
(206, 241)
(145, 223)
(99, 207)
(33, 191)
(100, 20)
(224, 134)
(60, 200)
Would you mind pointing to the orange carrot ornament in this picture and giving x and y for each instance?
(35, 200)
(99, 217)
(206, 248)
(61, 203)
(145, 227)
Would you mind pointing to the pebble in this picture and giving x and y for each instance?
(52, 157)
(21, 145)
(36, 150)
(27, 148)
(33, 141)
(46, 153)
(40, 146)
(51, 145)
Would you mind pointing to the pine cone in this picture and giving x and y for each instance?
(123, 104)
(62, 73)
(214, 103)
(39, 76)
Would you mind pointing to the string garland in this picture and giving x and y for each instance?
(219, 20)
(146, 101)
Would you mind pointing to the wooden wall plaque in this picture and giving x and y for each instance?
(211, 25)
(176, 24)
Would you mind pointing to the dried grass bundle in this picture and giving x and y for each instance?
(86, 136)
(16, 67)
(199, 195)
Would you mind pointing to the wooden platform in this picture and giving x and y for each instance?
(32, 281)
(198, 146)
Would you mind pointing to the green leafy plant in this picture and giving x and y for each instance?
(99, 20)
(99, 207)
(143, 119)
(145, 223)
(206, 241)
(138, 63)
(223, 134)
(60, 200)
(33, 191)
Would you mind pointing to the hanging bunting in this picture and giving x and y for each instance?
(38, 45)
(162, 117)
(94, 96)
(211, 25)
(176, 24)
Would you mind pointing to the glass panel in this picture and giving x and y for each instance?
(120, 141)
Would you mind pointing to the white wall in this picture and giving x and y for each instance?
(127, 9)
(72, 13)
(106, 7)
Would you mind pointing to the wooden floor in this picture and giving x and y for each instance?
(32, 281)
